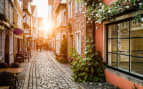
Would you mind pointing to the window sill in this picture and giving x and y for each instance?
(127, 75)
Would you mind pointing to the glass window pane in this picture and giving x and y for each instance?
(136, 29)
(123, 62)
(112, 59)
(112, 31)
(112, 45)
(123, 46)
(137, 47)
(123, 30)
(136, 65)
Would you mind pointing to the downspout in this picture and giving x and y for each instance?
(93, 33)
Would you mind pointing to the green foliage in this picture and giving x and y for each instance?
(96, 9)
(135, 87)
(63, 51)
(90, 68)
(63, 46)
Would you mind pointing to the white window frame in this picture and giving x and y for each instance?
(78, 42)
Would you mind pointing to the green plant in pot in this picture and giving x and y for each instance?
(90, 68)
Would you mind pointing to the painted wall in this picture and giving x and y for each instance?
(119, 81)
(99, 38)
(108, 2)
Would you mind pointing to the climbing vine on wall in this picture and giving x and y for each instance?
(98, 10)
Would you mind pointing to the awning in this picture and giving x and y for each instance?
(19, 36)
(28, 36)
(18, 31)
(4, 25)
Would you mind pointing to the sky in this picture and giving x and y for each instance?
(43, 10)
(42, 6)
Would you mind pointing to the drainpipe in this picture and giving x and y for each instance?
(93, 32)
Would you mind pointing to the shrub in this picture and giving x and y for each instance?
(90, 68)
(63, 51)
(61, 59)
(63, 46)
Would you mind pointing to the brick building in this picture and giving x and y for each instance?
(58, 14)
(60, 19)
(11, 29)
(120, 43)
(27, 23)
(6, 31)
(79, 29)
(34, 31)
(18, 22)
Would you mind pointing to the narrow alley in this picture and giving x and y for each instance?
(44, 73)
(71, 44)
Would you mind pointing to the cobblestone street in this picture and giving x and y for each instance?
(44, 72)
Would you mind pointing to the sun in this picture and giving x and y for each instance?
(46, 26)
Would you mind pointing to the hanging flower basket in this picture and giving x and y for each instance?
(17, 31)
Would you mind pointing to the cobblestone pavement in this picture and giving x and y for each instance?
(69, 73)
(44, 72)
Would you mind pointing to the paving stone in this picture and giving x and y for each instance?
(45, 72)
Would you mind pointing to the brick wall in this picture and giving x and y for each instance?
(78, 24)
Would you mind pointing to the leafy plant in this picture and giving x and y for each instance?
(63, 46)
(90, 68)
(96, 9)
(63, 51)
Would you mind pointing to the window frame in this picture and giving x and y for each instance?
(1, 43)
(138, 75)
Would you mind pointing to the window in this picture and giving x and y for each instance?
(2, 6)
(10, 13)
(77, 6)
(0, 43)
(78, 42)
(71, 10)
(20, 3)
(125, 46)
(6, 8)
